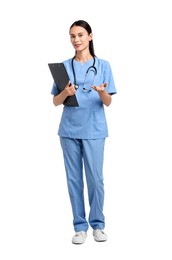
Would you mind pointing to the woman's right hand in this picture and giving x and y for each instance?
(69, 89)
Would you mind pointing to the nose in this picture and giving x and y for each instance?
(76, 39)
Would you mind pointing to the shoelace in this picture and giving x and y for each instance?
(100, 231)
(80, 233)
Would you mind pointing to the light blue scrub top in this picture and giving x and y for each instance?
(88, 121)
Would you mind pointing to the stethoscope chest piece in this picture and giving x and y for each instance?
(76, 86)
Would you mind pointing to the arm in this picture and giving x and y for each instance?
(104, 96)
(69, 90)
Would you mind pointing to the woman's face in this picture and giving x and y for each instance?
(80, 38)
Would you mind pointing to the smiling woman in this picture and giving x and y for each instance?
(83, 130)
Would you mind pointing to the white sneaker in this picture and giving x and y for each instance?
(79, 237)
(99, 235)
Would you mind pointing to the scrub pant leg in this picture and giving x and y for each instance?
(72, 153)
(75, 151)
(93, 155)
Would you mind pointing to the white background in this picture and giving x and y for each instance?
(35, 213)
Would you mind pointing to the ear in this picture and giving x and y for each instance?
(90, 36)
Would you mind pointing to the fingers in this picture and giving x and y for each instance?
(68, 84)
(70, 89)
(100, 87)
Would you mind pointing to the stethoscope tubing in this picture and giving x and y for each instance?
(91, 67)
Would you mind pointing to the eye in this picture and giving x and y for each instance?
(80, 35)
(72, 37)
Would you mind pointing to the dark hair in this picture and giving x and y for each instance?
(87, 27)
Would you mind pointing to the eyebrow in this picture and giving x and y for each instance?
(72, 34)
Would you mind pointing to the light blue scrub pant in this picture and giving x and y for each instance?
(90, 153)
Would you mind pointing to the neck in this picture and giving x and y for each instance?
(82, 57)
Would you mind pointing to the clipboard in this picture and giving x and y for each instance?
(61, 79)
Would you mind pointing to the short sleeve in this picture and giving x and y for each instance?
(109, 79)
(54, 90)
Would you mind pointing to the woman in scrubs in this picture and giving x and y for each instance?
(83, 130)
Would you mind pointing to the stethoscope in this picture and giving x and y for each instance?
(91, 68)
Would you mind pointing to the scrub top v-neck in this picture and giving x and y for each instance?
(88, 120)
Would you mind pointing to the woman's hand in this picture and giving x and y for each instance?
(100, 88)
(69, 90)
(104, 96)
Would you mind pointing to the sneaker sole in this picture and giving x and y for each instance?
(102, 240)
